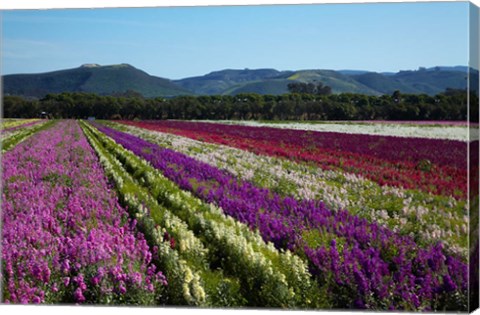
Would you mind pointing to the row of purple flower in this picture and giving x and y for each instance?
(65, 237)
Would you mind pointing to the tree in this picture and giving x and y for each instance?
(309, 88)
(396, 96)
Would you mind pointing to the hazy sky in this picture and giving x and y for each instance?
(181, 42)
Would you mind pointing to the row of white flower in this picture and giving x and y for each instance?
(461, 133)
(428, 217)
(284, 277)
(180, 275)
(12, 138)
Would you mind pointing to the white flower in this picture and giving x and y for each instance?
(396, 130)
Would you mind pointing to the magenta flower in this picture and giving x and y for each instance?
(62, 222)
(78, 295)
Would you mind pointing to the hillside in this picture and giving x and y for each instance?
(433, 82)
(123, 78)
(279, 85)
(268, 81)
(269, 86)
(91, 78)
(218, 82)
(385, 84)
(338, 82)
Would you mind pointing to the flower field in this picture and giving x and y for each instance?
(430, 165)
(65, 238)
(226, 215)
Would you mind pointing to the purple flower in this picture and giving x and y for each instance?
(448, 283)
(78, 296)
(150, 287)
(66, 266)
(359, 304)
(160, 278)
(61, 219)
(66, 281)
(121, 288)
(46, 275)
(96, 280)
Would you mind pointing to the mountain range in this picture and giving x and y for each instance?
(122, 79)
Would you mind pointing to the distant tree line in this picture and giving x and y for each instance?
(450, 105)
(309, 88)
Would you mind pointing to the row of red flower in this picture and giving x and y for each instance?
(435, 166)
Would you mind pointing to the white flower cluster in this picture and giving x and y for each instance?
(179, 274)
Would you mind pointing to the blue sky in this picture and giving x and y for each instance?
(182, 42)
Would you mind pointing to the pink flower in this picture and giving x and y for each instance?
(122, 289)
(66, 281)
(78, 295)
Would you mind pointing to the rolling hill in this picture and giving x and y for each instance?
(433, 82)
(124, 78)
(279, 85)
(91, 78)
(385, 84)
(218, 82)
(269, 81)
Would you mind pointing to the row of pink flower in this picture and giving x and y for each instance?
(65, 237)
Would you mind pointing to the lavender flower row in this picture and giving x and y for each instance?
(65, 237)
(398, 263)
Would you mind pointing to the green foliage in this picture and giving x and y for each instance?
(424, 165)
(309, 88)
(58, 180)
(451, 105)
